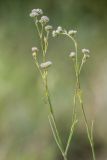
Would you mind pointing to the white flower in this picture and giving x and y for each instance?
(48, 27)
(34, 52)
(44, 19)
(59, 29)
(45, 64)
(72, 32)
(72, 54)
(54, 34)
(36, 12)
(85, 51)
(86, 54)
(39, 11)
(33, 14)
(34, 49)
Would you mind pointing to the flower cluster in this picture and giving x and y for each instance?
(45, 64)
(48, 28)
(72, 55)
(43, 31)
(60, 30)
(72, 32)
(36, 12)
(43, 19)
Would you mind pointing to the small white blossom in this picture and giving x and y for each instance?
(72, 32)
(85, 51)
(36, 12)
(39, 11)
(48, 27)
(33, 14)
(86, 54)
(59, 29)
(72, 55)
(34, 49)
(44, 19)
(45, 64)
(54, 34)
(57, 32)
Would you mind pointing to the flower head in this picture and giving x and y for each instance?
(59, 29)
(72, 55)
(34, 49)
(33, 14)
(72, 32)
(44, 20)
(54, 33)
(85, 51)
(36, 12)
(48, 28)
(39, 11)
(45, 64)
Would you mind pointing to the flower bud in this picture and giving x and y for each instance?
(72, 55)
(34, 51)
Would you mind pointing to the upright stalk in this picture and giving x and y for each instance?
(78, 91)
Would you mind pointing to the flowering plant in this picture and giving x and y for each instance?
(43, 31)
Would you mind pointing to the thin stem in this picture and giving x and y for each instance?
(70, 136)
(55, 135)
(40, 33)
(89, 133)
(75, 44)
(85, 118)
(74, 122)
(51, 111)
(36, 62)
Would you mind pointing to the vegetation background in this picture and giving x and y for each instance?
(24, 129)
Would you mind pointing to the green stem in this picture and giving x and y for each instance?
(54, 135)
(70, 136)
(40, 33)
(54, 129)
(89, 133)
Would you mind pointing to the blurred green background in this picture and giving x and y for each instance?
(24, 128)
